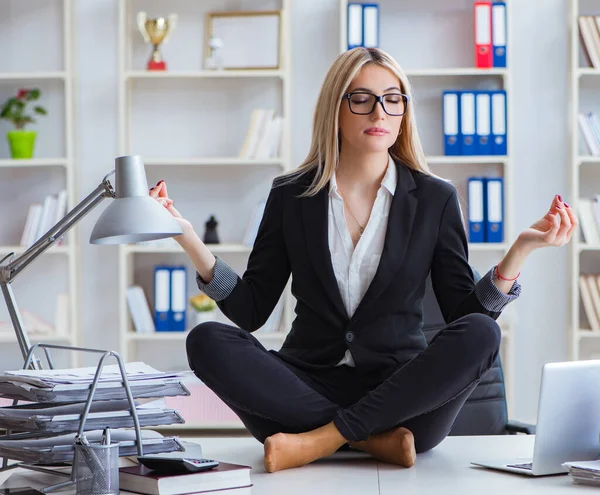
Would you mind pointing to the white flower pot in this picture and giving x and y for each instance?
(202, 316)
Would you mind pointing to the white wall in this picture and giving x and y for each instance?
(540, 139)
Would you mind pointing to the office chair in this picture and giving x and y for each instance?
(485, 411)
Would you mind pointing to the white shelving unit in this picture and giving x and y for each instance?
(584, 178)
(49, 25)
(202, 170)
(437, 66)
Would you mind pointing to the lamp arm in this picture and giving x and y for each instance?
(16, 265)
(9, 271)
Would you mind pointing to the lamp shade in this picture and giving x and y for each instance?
(133, 216)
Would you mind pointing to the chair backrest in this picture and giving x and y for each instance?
(485, 411)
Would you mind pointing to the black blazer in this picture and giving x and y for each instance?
(425, 235)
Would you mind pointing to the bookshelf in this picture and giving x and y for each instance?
(36, 39)
(444, 33)
(189, 124)
(584, 179)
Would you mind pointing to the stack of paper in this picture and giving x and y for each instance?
(43, 433)
(584, 472)
(73, 385)
(48, 419)
(50, 450)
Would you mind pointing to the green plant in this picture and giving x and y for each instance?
(202, 302)
(14, 108)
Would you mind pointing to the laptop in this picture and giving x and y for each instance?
(568, 422)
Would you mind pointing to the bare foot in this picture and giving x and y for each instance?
(287, 450)
(395, 446)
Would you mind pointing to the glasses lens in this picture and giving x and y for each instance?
(395, 104)
(361, 103)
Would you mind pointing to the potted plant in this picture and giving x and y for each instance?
(14, 110)
(205, 307)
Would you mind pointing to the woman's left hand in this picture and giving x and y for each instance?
(553, 229)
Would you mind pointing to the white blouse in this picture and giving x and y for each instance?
(355, 267)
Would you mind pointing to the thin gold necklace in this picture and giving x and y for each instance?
(361, 229)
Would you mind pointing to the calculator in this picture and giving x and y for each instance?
(177, 465)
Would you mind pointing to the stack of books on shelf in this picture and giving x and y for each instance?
(589, 288)
(263, 137)
(589, 36)
(589, 219)
(42, 216)
(589, 124)
(44, 430)
(37, 326)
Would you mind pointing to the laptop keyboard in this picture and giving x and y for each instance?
(526, 465)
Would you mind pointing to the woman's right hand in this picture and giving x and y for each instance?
(159, 193)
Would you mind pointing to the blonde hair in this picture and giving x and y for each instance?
(323, 156)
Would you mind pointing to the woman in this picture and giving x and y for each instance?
(359, 226)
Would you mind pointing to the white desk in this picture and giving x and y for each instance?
(442, 471)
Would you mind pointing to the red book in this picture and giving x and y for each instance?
(140, 479)
(483, 34)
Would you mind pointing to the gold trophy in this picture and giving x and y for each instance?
(156, 31)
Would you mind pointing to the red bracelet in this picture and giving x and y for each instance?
(497, 273)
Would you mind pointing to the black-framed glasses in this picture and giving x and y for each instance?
(363, 103)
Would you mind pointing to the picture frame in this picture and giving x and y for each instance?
(251, 40)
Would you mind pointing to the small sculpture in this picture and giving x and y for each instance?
(210, 234)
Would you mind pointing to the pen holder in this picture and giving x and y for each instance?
(97, 469)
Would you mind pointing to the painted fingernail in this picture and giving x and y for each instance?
(159, 182)
(559, 198)
(566, 205)
(558, 207)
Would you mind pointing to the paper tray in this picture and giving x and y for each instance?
(59, 449)
(80, 393)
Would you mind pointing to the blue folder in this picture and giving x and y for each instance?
(499, 34)
(499, 122)
(467, 122)
(355, 28)
(162, 297)
(476, 204)
(483, 119)
(494, 209)
(451, 122)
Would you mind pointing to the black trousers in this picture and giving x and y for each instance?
(270, 395)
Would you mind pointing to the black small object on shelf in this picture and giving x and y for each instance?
(210, 234)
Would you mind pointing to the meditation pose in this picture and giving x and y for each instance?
(359, 226)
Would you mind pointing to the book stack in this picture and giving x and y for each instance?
(140, 479)
(589, 124)
(589, 288)
(589, 36)
(42, 216)
(263, 137)
(589, 219)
